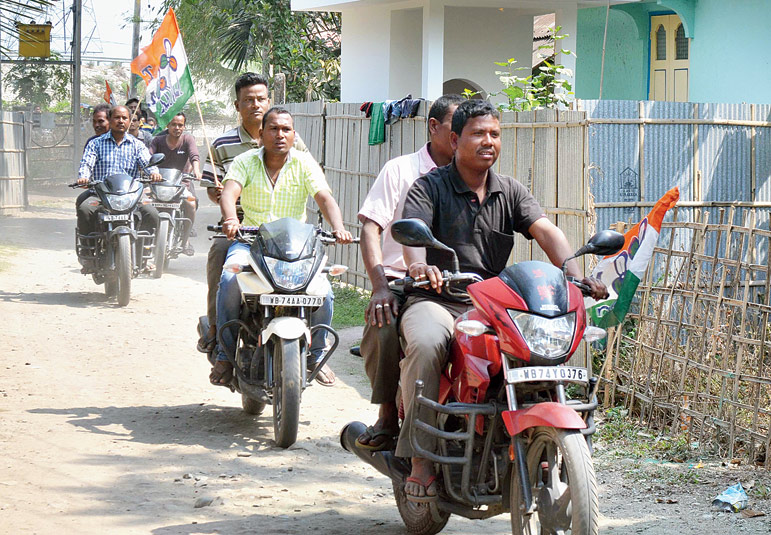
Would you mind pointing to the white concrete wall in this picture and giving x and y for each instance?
(406, 53)
(474, 38)
(365, 56)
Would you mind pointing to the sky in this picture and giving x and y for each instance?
(114, 31)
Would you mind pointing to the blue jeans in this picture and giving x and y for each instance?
(229, 307)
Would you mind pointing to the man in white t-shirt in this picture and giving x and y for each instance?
(383, 205)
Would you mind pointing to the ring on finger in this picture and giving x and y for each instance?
(387, 305)
(378, 306)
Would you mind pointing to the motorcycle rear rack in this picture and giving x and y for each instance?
(470, 410)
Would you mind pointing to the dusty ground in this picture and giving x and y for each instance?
(108, 423)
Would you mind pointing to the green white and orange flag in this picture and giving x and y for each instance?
(163, 66)
(622, 272)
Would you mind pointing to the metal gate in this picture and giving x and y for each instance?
(13, 168)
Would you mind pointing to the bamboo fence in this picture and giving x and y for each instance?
(693, 356)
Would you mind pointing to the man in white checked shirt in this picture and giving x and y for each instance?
(110, 153)
(272, 182)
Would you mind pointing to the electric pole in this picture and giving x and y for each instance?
(135, 45)
(77, 11)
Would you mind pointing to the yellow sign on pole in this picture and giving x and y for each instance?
(34, 40)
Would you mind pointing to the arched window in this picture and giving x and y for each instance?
(661, 43)
(681, 44)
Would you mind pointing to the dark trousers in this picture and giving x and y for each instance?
(380, 349)
(87, 218)
(214, 262)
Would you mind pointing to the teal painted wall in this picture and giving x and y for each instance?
(626, 57)
(730, 53)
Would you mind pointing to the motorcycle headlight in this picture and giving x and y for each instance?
(164, 193)
(548, 337)
(289, 275)
(123, 202)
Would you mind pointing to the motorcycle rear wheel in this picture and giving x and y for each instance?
(287, 390)
(161, 237)
(565, 489)
(418, 518)
(124, 266)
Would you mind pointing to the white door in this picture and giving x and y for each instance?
(669, 59)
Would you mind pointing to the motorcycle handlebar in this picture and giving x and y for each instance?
(326, 237)
(586, 291)
(447, 278)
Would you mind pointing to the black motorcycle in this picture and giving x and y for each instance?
(116, 251)
(174, 228)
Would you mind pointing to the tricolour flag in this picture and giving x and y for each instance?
(163, 66)
(109, 98)
(622, 272)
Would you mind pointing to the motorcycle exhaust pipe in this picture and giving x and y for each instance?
(383, 461)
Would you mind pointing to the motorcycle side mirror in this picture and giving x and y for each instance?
(155, 159)
(412, 233)
(415, 233)
(604, 243)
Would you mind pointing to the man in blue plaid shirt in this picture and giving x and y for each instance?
(111, 153)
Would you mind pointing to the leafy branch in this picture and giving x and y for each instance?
(548, 88)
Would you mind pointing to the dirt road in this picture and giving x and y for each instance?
(108, 423)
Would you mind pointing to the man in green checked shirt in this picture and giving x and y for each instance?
(272, 182)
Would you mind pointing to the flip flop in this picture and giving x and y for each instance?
(371, 434)
(428, 498)
(326, 377)
(221, 377)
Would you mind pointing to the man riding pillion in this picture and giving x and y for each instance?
(180, 152)
(111, 153)
(383, 205)
(475, 212)
(272, 182)
(251, 103)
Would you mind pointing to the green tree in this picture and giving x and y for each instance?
(39, 83)
(232, 36)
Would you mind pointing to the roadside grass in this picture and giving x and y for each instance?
(619, 432)
(6, 252)
(350, 303)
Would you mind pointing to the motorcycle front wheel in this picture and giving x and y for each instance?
(160, 248)
(287, 390)
(562, 483)
(124, 268)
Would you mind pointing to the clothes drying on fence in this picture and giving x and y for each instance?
(388, 112)
(377, 123)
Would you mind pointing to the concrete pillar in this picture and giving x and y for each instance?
(433, 49)
(567, 17)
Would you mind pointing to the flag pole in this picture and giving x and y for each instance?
(206, 139)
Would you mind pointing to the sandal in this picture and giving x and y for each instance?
(427, 498)
(371, 435)
(221, 374)
(326, 377)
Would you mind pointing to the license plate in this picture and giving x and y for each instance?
(165, 205)
(548, 373)
(115, 217)
(292, 300)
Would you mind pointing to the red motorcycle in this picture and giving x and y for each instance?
(510, 437)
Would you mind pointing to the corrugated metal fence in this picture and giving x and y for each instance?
(718, 155)
(13, 169)
(545, 150)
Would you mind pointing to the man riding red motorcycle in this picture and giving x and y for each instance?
(475, 212)
(494, 417)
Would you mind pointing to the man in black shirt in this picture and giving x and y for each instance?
(476, 212)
